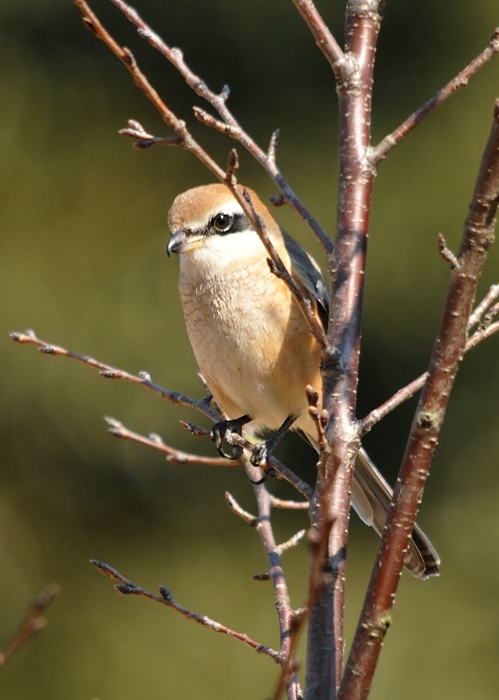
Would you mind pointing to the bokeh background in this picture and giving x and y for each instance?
(83, 236)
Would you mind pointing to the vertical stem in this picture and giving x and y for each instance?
(340, 371)
(281, 594)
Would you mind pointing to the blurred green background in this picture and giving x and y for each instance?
(83, 236)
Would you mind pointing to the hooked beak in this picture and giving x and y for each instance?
(182, 241)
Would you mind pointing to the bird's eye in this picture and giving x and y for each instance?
(222, 222)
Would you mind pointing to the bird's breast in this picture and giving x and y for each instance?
(249, 337)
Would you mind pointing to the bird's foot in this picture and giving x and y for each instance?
(263, 451)
(223, 430)
(259, 458)
(261, 455)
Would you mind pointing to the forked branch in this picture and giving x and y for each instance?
(449, 347)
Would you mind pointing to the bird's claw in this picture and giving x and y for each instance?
(223, 431)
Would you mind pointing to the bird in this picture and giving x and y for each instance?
(251, 340)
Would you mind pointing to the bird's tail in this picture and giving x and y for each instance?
(371, 496)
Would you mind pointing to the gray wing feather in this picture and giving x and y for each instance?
(310, 276)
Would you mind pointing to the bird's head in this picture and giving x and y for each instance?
(210, 217)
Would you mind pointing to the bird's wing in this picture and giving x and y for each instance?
(309, 275)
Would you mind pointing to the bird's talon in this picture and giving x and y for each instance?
(222, 431)
(260, 456)
(235, 453)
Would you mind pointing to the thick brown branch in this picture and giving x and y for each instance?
(346, 267)
(447, 353)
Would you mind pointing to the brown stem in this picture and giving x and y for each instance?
(281, 594)
(448, 350)
(340, 375)
(323, 37)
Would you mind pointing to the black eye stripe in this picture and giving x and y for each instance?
(235, 223)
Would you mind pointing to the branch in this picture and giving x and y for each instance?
(287, 617)
(278, 268)
(229, 125)
(448, 350)
(178, 126)
(482, 307)
(108, 372)
(346, 267)
(127, 587)
(174, 397)
(174, 456)
(186, 141)
(290, 505)
(33, 623)
(483, 314)
(323, 38)
(282, 601)
(273, 465)
(461, 80)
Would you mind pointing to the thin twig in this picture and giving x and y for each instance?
(230, 125)
(485, 330)
(92, 22)
(282, 601)
(175, 397)
(127, 587)
(290, 505)
(446, 252)
(188, 142)
(174, 455)
(461, 80)
(319, 417)
(324, 39)
(292, 542)
(135, 130)
(278, 268)
(482, 307)
(276, 466)
(142, 379)
(252, 520)
(33, 623)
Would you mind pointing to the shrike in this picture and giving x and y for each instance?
(251, 340)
